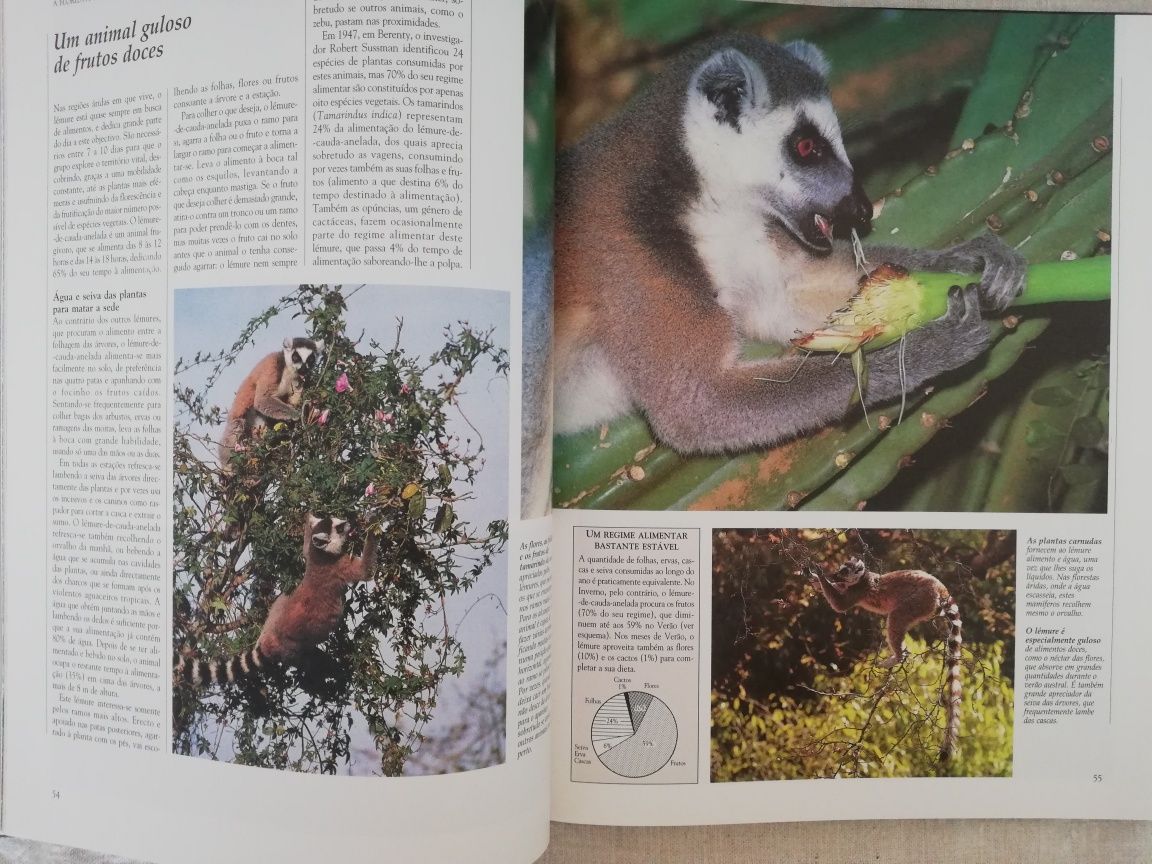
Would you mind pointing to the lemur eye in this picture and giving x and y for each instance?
(806, 145)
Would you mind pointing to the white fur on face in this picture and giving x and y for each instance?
(299, 357)
(737, 163)
(743, 175)
(334, 540)
(823, 116)
(748, 166)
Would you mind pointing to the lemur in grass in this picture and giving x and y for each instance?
(716, 207)
(299, 621)
(907, 597)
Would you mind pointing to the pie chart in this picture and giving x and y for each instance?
(634, 734)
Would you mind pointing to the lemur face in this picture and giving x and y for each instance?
(764, 138)
(329, 534)
(300, 354)
(851, 572)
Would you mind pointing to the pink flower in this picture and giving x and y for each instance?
(323, 418)
(342, 384)
(371, 490)
(384, 417)
(405, 389)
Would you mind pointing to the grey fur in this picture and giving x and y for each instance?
(651, 312)
(811, 55)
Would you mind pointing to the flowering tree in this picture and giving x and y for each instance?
(377, 443)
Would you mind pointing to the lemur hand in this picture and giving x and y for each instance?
(947, 343)
(1003, 270)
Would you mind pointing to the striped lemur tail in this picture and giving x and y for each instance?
(204, 673)
(952, 689)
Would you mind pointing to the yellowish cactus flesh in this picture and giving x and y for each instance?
(888, 303)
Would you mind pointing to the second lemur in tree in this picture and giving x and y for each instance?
(272, 391)
(297, 622)
(716, 208)
(907, 597)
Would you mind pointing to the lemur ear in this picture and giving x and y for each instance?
(319, 343)
(287, 343)
(808, 53)
(731, 83)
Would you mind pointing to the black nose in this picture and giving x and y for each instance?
(853, 212)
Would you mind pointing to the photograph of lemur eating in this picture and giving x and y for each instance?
(862, 653)
(340, 482)
(831, 258)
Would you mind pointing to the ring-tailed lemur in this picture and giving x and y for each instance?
(272, 391)
(301, 620)
(705, 213)
(907, 597)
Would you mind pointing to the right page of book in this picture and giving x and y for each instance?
(850, 465)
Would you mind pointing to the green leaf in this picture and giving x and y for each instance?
(1039, 434)
(1053, 397)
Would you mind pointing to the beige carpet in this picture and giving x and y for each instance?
(954, 842)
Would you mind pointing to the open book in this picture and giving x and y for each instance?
(425, 420)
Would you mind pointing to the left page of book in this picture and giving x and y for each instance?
(264, 333)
